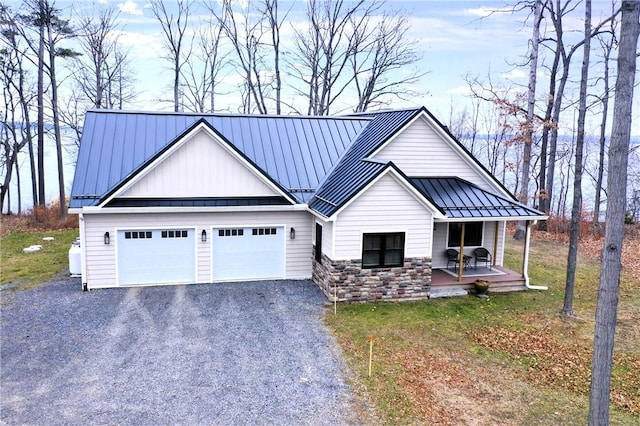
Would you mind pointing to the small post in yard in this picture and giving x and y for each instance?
(370, 353)
(335, 298)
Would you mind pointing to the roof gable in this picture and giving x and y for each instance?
(198, 165)
(424, 147)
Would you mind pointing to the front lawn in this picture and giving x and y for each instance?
(22, 269)
(511, 359)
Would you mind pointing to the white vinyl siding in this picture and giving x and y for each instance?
(439, 259)
(101, 258)
(419, 151)
(202, 167)
(387, 206)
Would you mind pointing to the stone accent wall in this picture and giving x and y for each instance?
(354, 284)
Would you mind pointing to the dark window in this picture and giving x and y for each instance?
(127, 235)
(472, 234)
(149, 234)
(318, 243)
(383, 250)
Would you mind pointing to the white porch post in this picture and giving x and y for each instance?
(495, 244)
(461, 259)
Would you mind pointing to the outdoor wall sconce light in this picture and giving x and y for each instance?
(292, 233)
(107, 238)
(203, 236)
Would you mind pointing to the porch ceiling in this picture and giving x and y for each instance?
(460, 199)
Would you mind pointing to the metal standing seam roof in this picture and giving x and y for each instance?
(354, 171)
(459, 199)
(295, 151)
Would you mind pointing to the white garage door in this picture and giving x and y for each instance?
(248, 253)
(159, 256)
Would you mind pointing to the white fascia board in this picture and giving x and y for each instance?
(470, 161)
(199, 209)
(321, 216)
(406, 185)
(201, 127)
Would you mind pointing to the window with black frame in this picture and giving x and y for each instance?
(472, 234)
(382, 250)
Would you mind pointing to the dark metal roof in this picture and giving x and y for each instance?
(459, 198)
(197, 202)
(296, 152)
(354, 171)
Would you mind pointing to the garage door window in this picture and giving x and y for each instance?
(264, 231)
(138, 235)
(175, 233)
(238, 232)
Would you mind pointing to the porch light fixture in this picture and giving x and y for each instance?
(203, 236)
(107, 238)
(292, 233)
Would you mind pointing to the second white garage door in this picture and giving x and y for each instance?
(248, 253)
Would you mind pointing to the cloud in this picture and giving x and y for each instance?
(130, 7)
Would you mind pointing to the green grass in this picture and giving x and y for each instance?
(409, 337)
(25, 270)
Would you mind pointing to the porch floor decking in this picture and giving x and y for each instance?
(502, 281)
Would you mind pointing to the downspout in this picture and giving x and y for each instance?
(525, 259)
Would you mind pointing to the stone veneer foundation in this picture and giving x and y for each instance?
(354, 284)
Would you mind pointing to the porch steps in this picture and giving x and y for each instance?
(448, 291)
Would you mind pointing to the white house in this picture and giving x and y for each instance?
(366, 205)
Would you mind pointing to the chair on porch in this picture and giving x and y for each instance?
(481, 254)
(453, 255)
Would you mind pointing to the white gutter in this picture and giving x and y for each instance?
(525, 259)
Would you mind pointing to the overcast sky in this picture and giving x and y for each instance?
(456, 38)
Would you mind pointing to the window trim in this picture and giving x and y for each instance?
(318, 243)
(383, 250)
(482, 232)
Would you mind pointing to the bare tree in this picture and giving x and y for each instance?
(607, 46)
(14, 60)
(576, 207)
(323, 51)
(104, 63)
(202, 73)
(380, 62)
(610, 266)
(174, 29)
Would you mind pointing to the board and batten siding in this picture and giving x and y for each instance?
(201, 167)
(386, 206)
(419, 151)
(440, 239)
(101, 258)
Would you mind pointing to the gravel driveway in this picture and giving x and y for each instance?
(243, 353)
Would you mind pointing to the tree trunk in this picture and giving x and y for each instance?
(531, 103)
(576, 207)
(56, 123)
(610, 267)
(603, 133)
(41, 191)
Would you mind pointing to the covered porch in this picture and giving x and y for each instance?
(474, 220)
